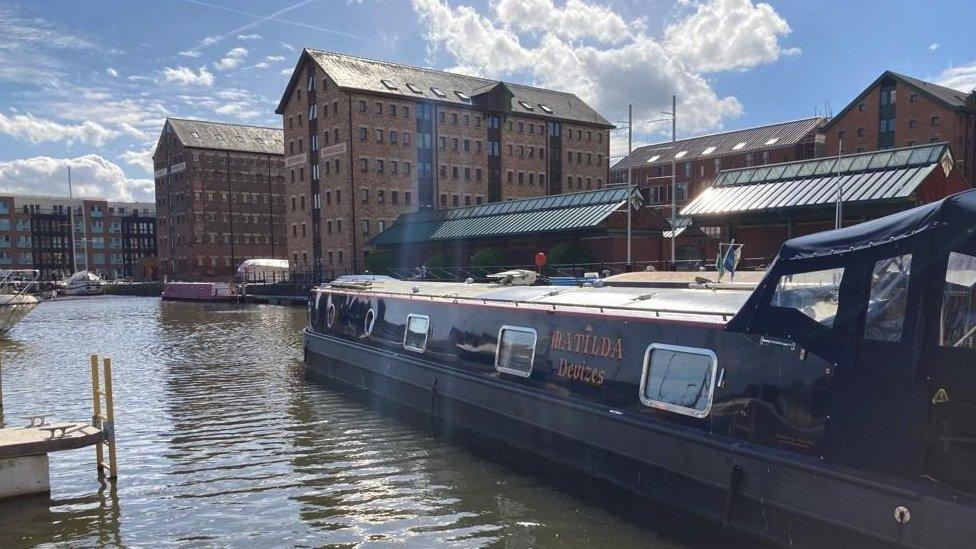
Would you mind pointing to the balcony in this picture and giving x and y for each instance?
(96, 214)
(4, 224)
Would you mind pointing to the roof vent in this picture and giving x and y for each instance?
(218, 137)
(545, 108)
(389, 85)
(526, 106)
(462, 96)
(437, 91)
(414, 88)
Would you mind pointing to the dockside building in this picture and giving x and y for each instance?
(57, 235)
(367, 141)
(219, 197)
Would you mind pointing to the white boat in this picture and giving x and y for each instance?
(83, 283)
(15, 302)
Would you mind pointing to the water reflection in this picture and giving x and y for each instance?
(223, 442)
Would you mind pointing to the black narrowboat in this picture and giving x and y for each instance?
(835, 402)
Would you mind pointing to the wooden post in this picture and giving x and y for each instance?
(110, 417)
(97, 412)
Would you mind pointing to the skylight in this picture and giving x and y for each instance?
(653, 158)
(414, 88)
(681, 154)
(437, 91)
(772, 140)
(389, 85)
(739, 145)
(462, 96)
(195, 134)
(526, 106)
(545, 108)
(708, 150)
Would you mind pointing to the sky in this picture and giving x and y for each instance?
(88, 85)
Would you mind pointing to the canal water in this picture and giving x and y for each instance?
(222, 442)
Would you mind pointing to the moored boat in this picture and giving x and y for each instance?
(83, 283)
(833, 403)
(15, 299)
(199, 291)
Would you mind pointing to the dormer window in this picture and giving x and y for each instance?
(708, 150)
(218, 137)
(526, 106)
(195, 134)
(389, 85)
(653, 158)
(739, 145)
(545, 108)
(771, 140)
(681, 154)
(462, 96)
(414, 88)
(438, 92)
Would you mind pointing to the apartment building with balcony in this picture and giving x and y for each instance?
(219, 197)
(367, 141)
(57, 236)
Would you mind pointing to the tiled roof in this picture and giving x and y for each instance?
(719, 144)
(872, 176)
(563, 212)
(358, 73)
(230, 137)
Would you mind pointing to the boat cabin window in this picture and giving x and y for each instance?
(815, 294)
(516, 350)
(678, 379)
(415, 334)
(958, 328)
(888, 299)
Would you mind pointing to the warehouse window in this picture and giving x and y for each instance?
(516, 350)
(415, 333)
(678, 379)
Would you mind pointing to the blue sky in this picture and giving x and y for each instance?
(88, 84)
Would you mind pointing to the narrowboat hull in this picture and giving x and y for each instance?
(771, 494)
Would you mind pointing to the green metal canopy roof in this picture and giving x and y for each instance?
(573, 211)
(872, 176)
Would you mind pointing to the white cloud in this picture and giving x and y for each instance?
(287, 46)
(140, 158)
(934, 46)
(574, 20)
(92, 175)
(231, 59)
(31, 48)
(208, 40)
(190, 53)
(187, 77)
(111, 72)
(275, 58)
(39, 130)
(728, 35)
(285, 72)
(248, 36)
(961, 77)
(606, 73)
(261, 65)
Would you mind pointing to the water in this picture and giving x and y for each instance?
(223, 443)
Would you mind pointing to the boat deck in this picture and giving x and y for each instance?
(700, 304)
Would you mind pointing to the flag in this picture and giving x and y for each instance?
(728, 260)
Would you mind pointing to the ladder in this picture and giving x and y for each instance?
(104, 421)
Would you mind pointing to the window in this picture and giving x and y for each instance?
(936, 121)
(516, 350)
(860, 132)
(678, 379)
(814, 294)
(415, 333)
(889, 297)
(913, 98)
(958, 328)
(912, 124)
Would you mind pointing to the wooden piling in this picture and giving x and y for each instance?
(105, 422)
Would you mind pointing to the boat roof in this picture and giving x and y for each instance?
(700, 304)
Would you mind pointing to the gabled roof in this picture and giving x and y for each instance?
(954, 99)
(382, 77)
(720, 144)
(562, 212)
(228, 137)
(872, 176)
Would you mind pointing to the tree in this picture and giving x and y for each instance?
(440, 260)
(379, 262)
(569, 253)
(489, 257)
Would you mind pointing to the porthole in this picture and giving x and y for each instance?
(369, 321)
(330, 315)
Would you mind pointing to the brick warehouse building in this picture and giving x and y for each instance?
(111, 239)
(699, 159)
(219, 197)
(899, 111)
(368, 140)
